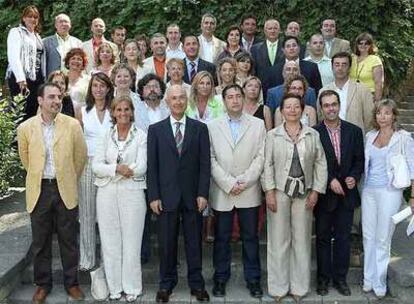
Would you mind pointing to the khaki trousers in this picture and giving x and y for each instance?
(289, 233)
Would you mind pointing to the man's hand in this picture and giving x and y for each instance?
(336, 187)
(124, 170)
(238, 188)
(271, 200)
(350, 182)
(156, 207)
(201, 203)
(311, 200)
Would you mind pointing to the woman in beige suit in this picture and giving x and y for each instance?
(295, 172)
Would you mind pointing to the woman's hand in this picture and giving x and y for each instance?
(312, 199)
(124, 170)
(271, 200)
(22, 86)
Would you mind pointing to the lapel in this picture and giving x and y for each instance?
(55, 44)
(244, 126)
(225, 128)
(169, 135)
(326, 141)
(345, 144)
(265, 54)
(188, 134)
(350, 96)
(59, 129)
(217, 46)
(38, 134)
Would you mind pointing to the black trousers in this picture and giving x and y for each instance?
(50, 211)
(31, 104)
(248, 218)
(168, 229)
(333, 257)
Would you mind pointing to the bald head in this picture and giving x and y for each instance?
(98, 27)
(177, 101)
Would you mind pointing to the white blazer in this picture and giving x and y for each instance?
(231, 161)
(134, 155)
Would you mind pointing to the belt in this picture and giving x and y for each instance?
(49, 181)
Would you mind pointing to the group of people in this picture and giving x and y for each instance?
(208, 134)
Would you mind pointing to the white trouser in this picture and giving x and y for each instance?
(378, 205)
(289, 236)
(121, 212)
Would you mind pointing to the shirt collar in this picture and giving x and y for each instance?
(173, 120)
(179, 48)
(44, 123)
(345, 87)
(269, 43)
(62, 38)
(336, 129)
(237, 120)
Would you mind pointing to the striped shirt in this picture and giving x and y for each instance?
(335, 136)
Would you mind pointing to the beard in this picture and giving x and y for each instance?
(153, 98)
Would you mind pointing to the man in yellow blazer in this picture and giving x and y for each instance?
(237, 158)
(53, 152)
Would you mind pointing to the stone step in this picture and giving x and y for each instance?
(410, 97)
(235, 293)
(406, 112)
(406, 120)
(408, 127)
(405, 105)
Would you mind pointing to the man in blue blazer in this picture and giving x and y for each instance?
(178, 185)
(291, 50)
(344, 149)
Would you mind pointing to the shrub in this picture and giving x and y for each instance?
(11, 171)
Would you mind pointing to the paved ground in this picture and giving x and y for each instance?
(15, 241)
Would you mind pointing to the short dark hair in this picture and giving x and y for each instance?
(42, 88)
(234, 28)
(191, 36)
(242, 56)
(290, 38)
(291, 95)
(147, 78)
(342, 55)
(231, 86)
(248, 16)
(328, 93)
(119, 27)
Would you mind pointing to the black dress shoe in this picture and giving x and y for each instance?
(163, 295)
(322, 288)
(201, 295)
(255, 289)
(342, 288)
(219, 289)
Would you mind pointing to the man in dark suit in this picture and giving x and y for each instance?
(344, 150)
(178, 186)
(248, 25)
(269, 52)
(194, 64)
(291, 50)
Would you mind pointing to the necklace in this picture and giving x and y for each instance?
(293, 133)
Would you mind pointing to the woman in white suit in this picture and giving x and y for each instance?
(120, 165)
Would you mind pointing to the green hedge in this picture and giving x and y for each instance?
(390, 21)
(11, 170)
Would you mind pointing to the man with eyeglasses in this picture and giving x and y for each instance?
(344, 149)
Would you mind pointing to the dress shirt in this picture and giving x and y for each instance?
(335, 136)
(173, 122)
(160, 67)
(269, 49)
(208, 47)
(247, 44)
(328, 45)
(64, 46)
(175, 53)
(48, 130)
(343, 95)
(154, 115)
(324, 67)
(189, 66)
(234, 124)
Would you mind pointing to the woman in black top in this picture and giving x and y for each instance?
(253, 104)
(59, 78)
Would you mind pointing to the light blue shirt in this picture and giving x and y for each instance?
(325, 69)
(234, 125)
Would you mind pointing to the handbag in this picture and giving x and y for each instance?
(399, 167)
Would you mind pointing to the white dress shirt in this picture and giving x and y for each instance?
(343, 95)
(208, 48)
(173, 122)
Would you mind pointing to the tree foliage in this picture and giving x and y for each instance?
(389, 21)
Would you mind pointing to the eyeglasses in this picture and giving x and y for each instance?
(152, 86)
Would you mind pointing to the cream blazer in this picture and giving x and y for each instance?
(134, 155)
(236, 161)
(219, 46)
(278, 159)
(359, 104)
(69, 155)
(149, 67)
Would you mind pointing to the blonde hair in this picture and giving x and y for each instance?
(381, 104)
(117, 101)
(194, 92)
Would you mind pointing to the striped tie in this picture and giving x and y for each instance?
(178, 137)
(193, 71)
